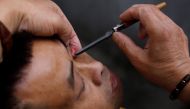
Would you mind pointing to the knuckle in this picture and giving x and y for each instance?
(166, 32)
(181, 33)
(130, 11)
(55, 19)
(136, 5)
(180, 30)
(55, 8)
(153, 7)
(186, 39)
(174, 31)
(123, 44)
(169, 29)
(144, 6)
(145, 9)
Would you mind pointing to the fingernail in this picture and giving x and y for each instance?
(115, 34)
(73, 51)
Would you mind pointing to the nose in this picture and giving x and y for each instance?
(90, 68)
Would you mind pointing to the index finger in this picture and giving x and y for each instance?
(67, 33)
(149, 16)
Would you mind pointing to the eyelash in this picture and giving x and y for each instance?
(72, 70)
(83, 87)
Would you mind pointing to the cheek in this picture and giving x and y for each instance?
(48, 90)
(93, 98)
(93, 102)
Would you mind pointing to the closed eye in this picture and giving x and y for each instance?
(71, 78)
(71, 81)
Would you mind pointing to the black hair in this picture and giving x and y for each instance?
(14, 62)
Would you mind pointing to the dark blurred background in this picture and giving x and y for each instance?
(92, 18)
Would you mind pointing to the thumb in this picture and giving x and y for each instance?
(68, 34)
(135, 54)
(73, 43)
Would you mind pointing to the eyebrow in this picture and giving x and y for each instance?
(70, 79)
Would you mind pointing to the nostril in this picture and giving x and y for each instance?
(101, 73)
(94, 71)
(97, 80)
(98, 73)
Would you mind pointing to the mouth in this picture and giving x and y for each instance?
(116, 89)
(114, 83)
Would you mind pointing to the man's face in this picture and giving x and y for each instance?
(54, 80)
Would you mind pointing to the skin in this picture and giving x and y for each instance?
(45, 81)
(165, 58)
(40, 17)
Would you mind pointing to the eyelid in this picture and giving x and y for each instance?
(72, 71)
(71, 79)
(82, 88)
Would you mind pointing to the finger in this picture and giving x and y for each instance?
(67, 33)
(147, 45)
(142, 32)
(148, 15)
(131, 50)
(74, 44)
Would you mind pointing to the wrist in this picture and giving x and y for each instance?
(179, 73)
(185, 93)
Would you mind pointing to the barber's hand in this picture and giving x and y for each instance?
(40, 17)
(165, 58)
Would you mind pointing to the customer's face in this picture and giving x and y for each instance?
(54, 80)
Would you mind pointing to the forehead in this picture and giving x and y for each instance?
(49, 56)
(46, 75)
